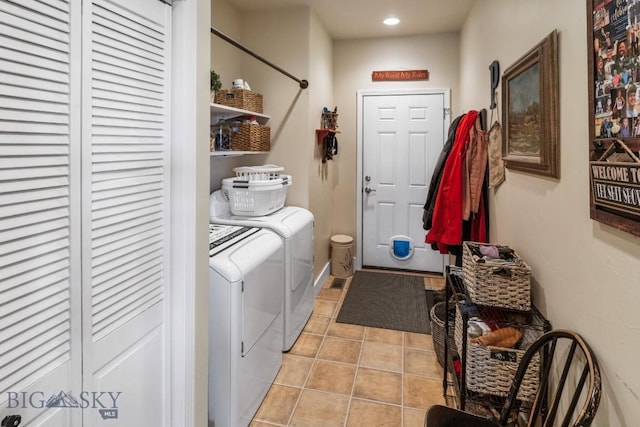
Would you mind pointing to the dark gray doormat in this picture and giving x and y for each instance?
(386, 300)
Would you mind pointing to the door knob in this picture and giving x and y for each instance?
(369, 190)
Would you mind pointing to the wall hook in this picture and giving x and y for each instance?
(495, 79)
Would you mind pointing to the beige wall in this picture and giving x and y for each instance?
(354, 60)
(320, 95)
(225, 58)
(282, 37)
(226, 61)
(296, 41)
(586, 273)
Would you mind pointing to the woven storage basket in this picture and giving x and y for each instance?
(251, 138)
(240, 98)
(496, 283)
(490, 369)
(329, 120)
(437, 329)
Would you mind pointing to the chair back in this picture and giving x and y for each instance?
(569, 397)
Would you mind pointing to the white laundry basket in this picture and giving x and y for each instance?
(256, 197)
(258, 173)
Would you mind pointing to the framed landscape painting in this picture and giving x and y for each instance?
(530, 112)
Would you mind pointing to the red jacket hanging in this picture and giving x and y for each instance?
(447, 213)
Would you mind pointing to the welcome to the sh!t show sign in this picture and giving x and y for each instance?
(616, 186)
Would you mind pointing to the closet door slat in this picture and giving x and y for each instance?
(33, 59)
(55, 9)
(128, 131)
(35, 192)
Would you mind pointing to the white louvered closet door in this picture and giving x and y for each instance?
(84, 114)
(40, 336)
(125, 205)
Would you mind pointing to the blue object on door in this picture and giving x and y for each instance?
(401, 247)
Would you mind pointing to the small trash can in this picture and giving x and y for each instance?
(341, 256)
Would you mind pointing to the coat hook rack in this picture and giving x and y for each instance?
(303, 83)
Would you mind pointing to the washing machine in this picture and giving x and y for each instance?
(294, 225)
(246, 272)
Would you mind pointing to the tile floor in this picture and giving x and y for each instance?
(347, 375)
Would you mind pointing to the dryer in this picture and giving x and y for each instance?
(295, 227)
(246, 272)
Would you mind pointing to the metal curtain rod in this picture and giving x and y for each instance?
(303, 83)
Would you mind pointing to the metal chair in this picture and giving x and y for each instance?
(568, 414)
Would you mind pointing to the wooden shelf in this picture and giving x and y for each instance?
(321, 133)
(223, 112)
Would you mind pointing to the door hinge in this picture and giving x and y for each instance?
(242, 286)
(446, 112)
(242, 348)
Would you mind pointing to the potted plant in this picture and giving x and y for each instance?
(216, 84)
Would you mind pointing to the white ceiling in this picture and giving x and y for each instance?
(349, 19)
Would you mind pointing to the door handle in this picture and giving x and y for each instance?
(369, 190)
(11, 421)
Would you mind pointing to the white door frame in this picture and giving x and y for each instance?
(446, 94)
(189, 266)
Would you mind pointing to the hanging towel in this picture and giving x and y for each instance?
(496, 164)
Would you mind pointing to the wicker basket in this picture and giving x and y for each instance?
(437, 329)
(251, 137)
(490, 369)
(240, 98)
(496, 283)
(329, 120)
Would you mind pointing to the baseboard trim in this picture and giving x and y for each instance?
(322, 278)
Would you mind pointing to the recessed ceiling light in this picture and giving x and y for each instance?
(391, 21)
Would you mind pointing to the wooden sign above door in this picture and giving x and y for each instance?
(399, 75)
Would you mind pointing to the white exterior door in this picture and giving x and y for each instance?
(402, 137)
(84, 89)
